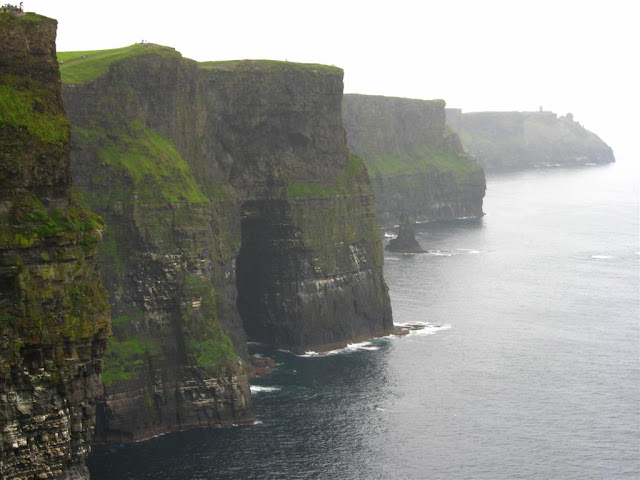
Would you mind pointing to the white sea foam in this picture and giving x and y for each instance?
(440, 253)
(263, 389)
(470, 251)
(602, 257)
(389, 235)
(352, 347)
(423, 328)
(429, 330)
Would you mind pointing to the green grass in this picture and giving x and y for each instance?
(82, 67)
(158, 171)
(347, 182)
(28, 223)
(25, 106)
(421, 159)
(125, 359)
(28, 17)
(268, 65)
(216, 350)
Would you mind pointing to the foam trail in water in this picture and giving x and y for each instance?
(468, 250)
(440, 253)
(261, 389)
(602, 257)
(352, 347)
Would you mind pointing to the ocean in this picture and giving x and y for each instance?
(528, 366)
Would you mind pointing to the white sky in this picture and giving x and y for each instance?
(572, 56)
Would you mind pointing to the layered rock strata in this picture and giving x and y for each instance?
(54, 312)
(515, 140)
(417, 166)
(233, 206)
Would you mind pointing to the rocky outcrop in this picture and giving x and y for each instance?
(233, 206)
(54, 313)
(515, 140)
(417, 166)
(406, 241)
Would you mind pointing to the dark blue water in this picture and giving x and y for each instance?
(532, 372)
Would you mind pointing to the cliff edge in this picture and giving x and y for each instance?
(235, 212)
(54, 312)
(417, 166)
(515, 140)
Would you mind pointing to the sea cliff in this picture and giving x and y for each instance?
(233, 206)
(417, 166)
(515, 140)
(54, 312)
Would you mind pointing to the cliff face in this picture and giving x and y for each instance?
(418, 168)
(514, 140)
(233, 205)
(54, 313)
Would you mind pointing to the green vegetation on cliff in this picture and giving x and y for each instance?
(151, 162)
(26, 105)
(29, 223)
(267, 65)
(125, 358)
(348, 182)
(82, 67)
(334, 216)
(208, 345)
(422, 159)
(27, 17)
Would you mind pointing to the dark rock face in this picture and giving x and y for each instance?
(54, 313)
(233, 205)
(515, 140)
(418, 167)
(406, 241)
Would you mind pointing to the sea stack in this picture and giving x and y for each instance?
(406, 241)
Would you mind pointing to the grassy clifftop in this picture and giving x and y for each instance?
(84, 66)
(239, 65)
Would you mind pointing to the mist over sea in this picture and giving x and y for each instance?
(529, 367)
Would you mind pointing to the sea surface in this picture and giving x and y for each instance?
(529, 367)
